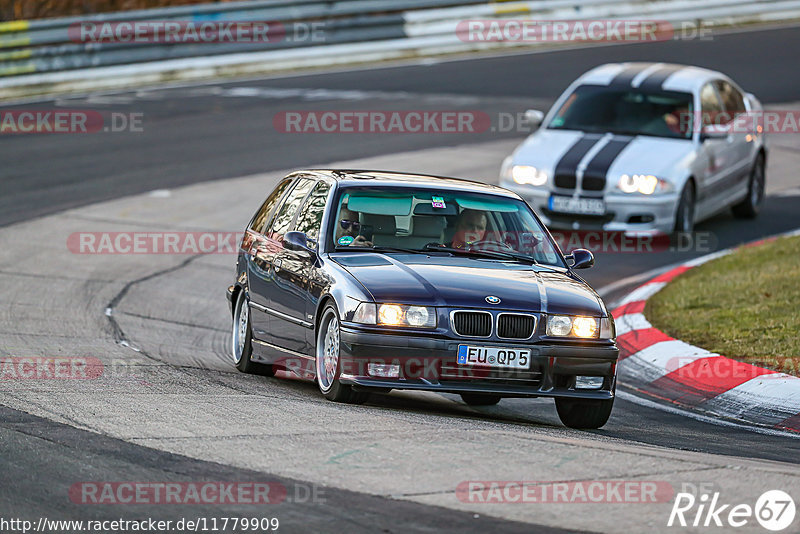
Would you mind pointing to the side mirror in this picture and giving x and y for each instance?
(581, 258)
(714, 131)
(534, 117)
(298, 241)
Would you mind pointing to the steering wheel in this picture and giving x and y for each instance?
(487, 244)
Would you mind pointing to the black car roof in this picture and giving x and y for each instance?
(363, 177)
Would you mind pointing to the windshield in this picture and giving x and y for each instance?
(593, 108)
(425, 220)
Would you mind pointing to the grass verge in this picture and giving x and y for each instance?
(745, 305)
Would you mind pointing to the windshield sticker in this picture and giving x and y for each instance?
(345, 240)
(438, 202)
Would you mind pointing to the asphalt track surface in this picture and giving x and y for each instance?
(194, 135)
(190, 136)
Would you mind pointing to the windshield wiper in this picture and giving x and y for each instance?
(494, 254)
(380, 249)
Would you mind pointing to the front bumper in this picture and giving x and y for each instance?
(429, 364)
(624, 213)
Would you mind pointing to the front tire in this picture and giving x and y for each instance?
(328, 361)
(242, 340)
(684, 215)
(749, 207)
(582, 413)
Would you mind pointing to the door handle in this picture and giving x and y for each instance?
(277, 264)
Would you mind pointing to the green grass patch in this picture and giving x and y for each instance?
(745, 306)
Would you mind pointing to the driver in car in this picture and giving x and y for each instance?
(470, 228)
(349, 228)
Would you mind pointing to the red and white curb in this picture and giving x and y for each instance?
(659, 366)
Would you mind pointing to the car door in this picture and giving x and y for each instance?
(739, 137)
(269, 284)
(256, 258)
(291, 298)
(717, 156)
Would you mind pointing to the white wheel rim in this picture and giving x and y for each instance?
(240, 329)
(328, 352)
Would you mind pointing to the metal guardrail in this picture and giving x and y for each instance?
(388, 27)
(46, 45)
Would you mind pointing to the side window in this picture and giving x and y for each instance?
(710, 105)
(310, 217)
(286, 212)
(732, 99)
(260, 220)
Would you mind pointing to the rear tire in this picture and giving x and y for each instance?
(582, 413)
(684, 215)
(242, 340)
(327, 361)
(749, 207)
(479, 399)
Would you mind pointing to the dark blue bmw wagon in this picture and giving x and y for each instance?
(368, 281)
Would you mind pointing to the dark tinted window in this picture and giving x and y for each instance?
(710, 105)
(732, 99)
(286, 212)
(628, 111)
(261, 218)
(310, 216)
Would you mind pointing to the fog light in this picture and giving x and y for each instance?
(588, 382)
(383, 370)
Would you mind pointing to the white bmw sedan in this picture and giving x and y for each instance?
(642, 148)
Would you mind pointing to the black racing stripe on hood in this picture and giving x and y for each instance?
(594, 177)
(655, 81)
(626, 76)
(567, 166)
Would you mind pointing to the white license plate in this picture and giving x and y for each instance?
(503, 357)
(579, 206)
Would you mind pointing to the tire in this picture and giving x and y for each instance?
(327, 360)
(242, 340)
(684, 215)
(479, 399)
(749, 207)
(583, 414)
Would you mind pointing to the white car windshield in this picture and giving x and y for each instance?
(425, 220)
(627, 111)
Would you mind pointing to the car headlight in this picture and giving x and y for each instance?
(646, 184)
(395, 315)
(580, 327)
(527, 175)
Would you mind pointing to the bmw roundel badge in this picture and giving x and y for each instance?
(491, 299)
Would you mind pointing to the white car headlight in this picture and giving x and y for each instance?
(395, 315)
(580, 327)
(646, 184)
(527, 175)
